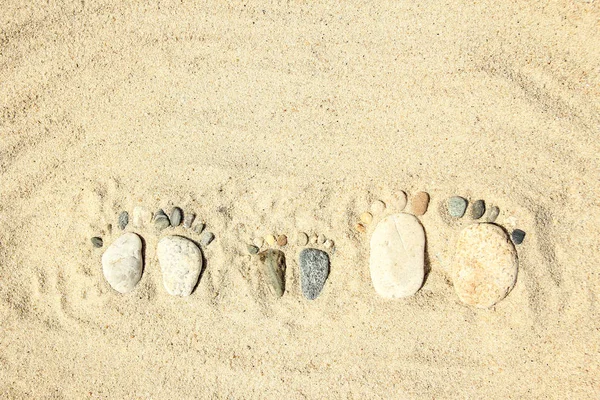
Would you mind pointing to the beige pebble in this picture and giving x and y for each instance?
(258, 242)
(360, 228)
(328, 244)
(399, 200)
(366, 217)
(377, 207)
(420, 203)
(302, 239)
(282, 240)
(321, 239)
(270, 239)
(313, 238)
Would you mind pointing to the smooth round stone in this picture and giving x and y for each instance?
(252, 249)
(181, 263)
(199, 227)
(328, 244)
(161, 221)
(484, 269)
(282, 240)
(397, 259)
(302, 239)
(188, 220)
(122, 263)
(206, 238)
(314, 270)
(366, 218)
(518, 236)
(271, 240)
(321, 239)
(176, 216)
(258, 242)
(97, 241)
(457, 206)
(314, 238)
(493, 213)
(123, 220)
(478, 209)
(273, 268)
(420, 203)
(399, 200)
(141, 217)
(377, 207)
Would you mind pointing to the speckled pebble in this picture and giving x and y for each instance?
(302, 239)
(123, 220)
(420, 203)
(175, 217)
(282, 240)
(478, 209)
(493, 214)
(314, 270)
(252, 249)
(270, 239)
(97, 241)
(161, 221)
(377, 207)
(199, 227)
(188, 220)
(206, 238)
(399, 201)
(457, 206)
(366, 218)
(321, 239)
(181, 263)
(328, 244)
(258, 242)
(518, 236)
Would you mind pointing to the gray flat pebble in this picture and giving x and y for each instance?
(457, 206)
(493, 214)
(161, 221)
(199, 227)
(273, 263)
(314, 270)
(252, 249)
(478, 209)
(176, 216)
(206, 238)
(189, 220)
(97, 241)
(518, 236)
(123, 220)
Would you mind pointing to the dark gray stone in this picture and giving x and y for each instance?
(97, 241)
(252, 249)
(314, 270)
(493, 213)
(457, 206)
(518, 236)
(123, 220)
(176, 216)
(478, 209)
(273, 263)
(206, 238)
(161, 221)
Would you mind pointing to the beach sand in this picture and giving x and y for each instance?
(280, 117)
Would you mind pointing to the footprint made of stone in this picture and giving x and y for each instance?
(180, 263)
(122, 263)
(314, 270)
(273, 270)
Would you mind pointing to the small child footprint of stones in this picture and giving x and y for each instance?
(314, 264)
(271, 273)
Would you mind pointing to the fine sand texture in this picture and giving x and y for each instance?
(278, 117)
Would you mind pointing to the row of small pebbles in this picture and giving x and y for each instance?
(302, 239)
(420, 203)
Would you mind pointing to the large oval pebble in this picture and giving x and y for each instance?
(484, 269)
(122, 263)
(314, 270)
(180, 262)
(397, 256)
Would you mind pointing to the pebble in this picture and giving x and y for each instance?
(328, 244)
(457, 206)
(97, 241)
(321, 239)
(181, 263)
(314, 270)
(493, 214)
(377, 207)
(188, 220)
(122, 263)
(360, 228)
(206, 238)
(302, 239)
(314, 238)
(273, 265)
(161, 221)
(282, 240)
(420, 203)
(123, 220)
(478, 209)
(270, 239)
(176, 215)
(397, 259)
(258, 242)
(518, 236)
(199, 227)
(485, 264)
(252, 249)
(141, 217)
(399, 200)
(366, 217)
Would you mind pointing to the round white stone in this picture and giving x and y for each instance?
(122, 263)
(180, 262)
(397, 260)
(484, 269)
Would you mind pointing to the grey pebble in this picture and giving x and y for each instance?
(252, 249)
(199, 227)
(273, 262)
(123, 220)
(457, 206)
(97, 241)
(314, 270)
(189, 220)
(206, 238)
(161, 221)
(518, 236)
(176, 215)
(478, 209)
(493, 213)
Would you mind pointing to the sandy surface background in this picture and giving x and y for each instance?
(275, 117)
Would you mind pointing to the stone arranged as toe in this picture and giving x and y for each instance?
(273, 270)
(122, 263)
(314, 270)
(457, 206)
(181, 263)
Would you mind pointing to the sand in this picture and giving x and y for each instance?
(278, 117)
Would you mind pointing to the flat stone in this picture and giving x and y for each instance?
(199, 227)
(122, 263)
(181, 263)
(457, 206)
(273, 268)
(97, 241)
(176, 216)
(141, 217)
(366, 218)
(518, 236)
(302, 239)
(188, 220)
(397, 259)
(399, 201)
(258, 242)
(123, 220)
(161, 221)
(206, 238)
(478, 209)
(377, 207)
(493, 213)
(270, 239)
(314, 270)
(252, 249)
(484, 269)
(420, 203)
(282, 240)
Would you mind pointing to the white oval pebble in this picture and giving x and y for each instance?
(122, 263)
(485, 265)
(180, 262)
(397, 260)
(377, 207)
(302, 239)
(258, 242)
(141, 217)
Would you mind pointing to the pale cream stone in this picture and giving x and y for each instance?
(122, 263)
(141, 217)
(181, 263)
